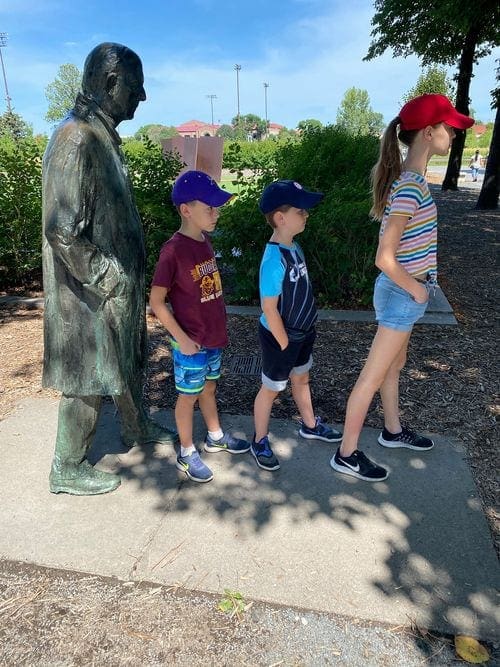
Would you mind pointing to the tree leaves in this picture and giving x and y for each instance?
(61, 93)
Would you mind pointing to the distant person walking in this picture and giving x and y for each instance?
(406, 256)
(475, 165)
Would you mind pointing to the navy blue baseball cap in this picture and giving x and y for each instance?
(198, 186)
(287, 193)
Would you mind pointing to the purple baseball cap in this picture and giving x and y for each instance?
(198, 186)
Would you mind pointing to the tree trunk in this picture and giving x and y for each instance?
(462, 104)
(490, 191)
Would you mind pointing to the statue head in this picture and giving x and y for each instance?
(113, 78)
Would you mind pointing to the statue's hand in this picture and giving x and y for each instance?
(115, 283)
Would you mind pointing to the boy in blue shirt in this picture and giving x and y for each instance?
(286, 327)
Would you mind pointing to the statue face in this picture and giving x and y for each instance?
(127, 92)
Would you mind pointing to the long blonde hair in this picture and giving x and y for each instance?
(389, 165)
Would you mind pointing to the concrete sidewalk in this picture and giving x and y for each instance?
(413, 548)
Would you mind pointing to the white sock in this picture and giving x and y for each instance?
(216, 435)
(187, 451)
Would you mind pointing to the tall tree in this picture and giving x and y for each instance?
(431, 80)
(61, 93)
(490, 190)
(250, 124)
(155, 132)
(309, 124)
(226, 132)
(14, 126)
(356, 116)
(444, 32)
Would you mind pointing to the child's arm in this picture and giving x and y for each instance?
(386, 258)
(277, 328)
(166, 317)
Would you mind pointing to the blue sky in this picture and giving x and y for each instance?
(309, 51)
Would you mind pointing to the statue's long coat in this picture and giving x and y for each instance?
(93, 261)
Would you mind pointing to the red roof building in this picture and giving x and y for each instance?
(478, 130)
(197, 128)
(275, 129)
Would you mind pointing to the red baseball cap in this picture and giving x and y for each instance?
(431, 109)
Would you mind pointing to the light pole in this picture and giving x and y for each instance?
(266, 86)
(3, 42)
(212, 98)
(238, 68)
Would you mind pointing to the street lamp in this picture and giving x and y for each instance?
(3, 42)
(266, 86)
(212, 98)
(238, 68)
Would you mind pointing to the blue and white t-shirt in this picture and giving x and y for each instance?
(283, 273)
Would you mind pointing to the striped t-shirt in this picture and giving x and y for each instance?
(410, 196)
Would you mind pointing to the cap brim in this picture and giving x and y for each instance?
(218, 198)
(459, 121)
(310, 199)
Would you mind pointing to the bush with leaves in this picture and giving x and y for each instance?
(20, 209)
(152, 175)
(340, 239)
(249, 155)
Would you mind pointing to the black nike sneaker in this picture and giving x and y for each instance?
(358, 465)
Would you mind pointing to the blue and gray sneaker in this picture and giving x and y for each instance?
(194, 467)
(263, 454)
(227, 443)
(321, 431)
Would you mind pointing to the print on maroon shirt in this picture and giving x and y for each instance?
(188, 269)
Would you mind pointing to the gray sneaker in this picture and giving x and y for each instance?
(228, 443)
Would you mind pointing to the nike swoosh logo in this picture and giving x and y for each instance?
(354, 468)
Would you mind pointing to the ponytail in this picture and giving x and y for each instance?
(387, 169)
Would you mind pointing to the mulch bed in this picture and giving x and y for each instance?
(448, 386)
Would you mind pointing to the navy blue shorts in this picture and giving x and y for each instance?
(278, 364)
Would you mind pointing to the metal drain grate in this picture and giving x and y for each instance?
(245, 365)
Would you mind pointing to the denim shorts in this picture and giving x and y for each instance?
(192, 370)
(395, 308)
(278, 364)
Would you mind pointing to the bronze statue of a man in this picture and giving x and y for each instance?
(94, 272)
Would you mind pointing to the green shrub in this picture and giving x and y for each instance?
(152, 175)
(254, 155)
(340, 239)
(20, 209)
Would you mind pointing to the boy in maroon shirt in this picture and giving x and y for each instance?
(187, 276)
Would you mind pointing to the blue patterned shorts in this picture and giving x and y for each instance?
(192, 370)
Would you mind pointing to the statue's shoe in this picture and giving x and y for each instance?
(82, 480)
(151, 434)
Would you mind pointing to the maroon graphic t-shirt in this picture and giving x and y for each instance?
(187, 268)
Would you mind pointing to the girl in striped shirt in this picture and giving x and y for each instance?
(406, 257)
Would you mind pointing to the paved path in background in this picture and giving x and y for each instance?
(416, 547)
(438, 311)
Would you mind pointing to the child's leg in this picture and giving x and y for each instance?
(262, 411)
(208, 406)
(301, 393)
(184, 410)
(385, 349)
(389, 392)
